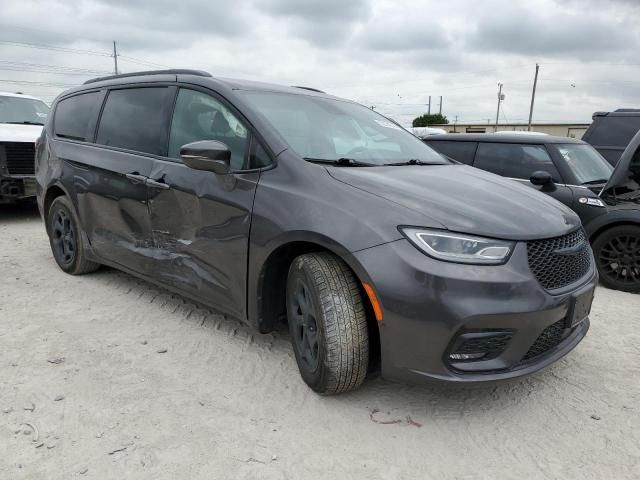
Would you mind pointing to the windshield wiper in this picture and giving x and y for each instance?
(341, 162)
(595, 182)
(26, 122)
(413, 161)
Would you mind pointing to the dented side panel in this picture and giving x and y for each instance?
(112, 207)
(201, 227)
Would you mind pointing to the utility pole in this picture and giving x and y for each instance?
(455, 123)
(429, 107)
(115, 58)
(500, 97)
(440, 105)
(533, 96)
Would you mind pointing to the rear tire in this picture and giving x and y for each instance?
(66, 239)
(617, 253)
(328, 323)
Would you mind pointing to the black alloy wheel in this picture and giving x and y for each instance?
(63, 237)
(66, 238)
(617, 253)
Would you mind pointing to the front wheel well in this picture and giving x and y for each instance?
(272, 294)
(593, 237)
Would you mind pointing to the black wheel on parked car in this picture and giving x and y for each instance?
(66, 240)
(617, 253)
(327, 322)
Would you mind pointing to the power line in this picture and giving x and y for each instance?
(40, 84)
(51, 68)
(142, 62)
(55, 48)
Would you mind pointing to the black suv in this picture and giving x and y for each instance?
(611, 132)
(571, 171)
(276, 203)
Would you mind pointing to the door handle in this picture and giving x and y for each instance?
(135, 178)
(156, 184)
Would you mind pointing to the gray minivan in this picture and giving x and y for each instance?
(285, 204)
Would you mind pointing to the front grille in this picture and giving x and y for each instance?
(549, 338)
(20, 157)
(558, 262)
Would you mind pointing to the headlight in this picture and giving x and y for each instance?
(453, 247)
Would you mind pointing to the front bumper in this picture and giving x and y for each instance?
(17, 188)
(427, 304)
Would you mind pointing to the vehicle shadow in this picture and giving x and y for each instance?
(18, 212)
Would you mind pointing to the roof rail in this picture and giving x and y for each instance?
(308, 88)
(174, 71)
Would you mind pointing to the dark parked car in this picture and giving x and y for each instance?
(611, 132)
(276, 203)
(572, 172)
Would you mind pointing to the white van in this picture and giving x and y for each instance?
(21, 121)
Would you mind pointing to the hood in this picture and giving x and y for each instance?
(624, 182)
(19, 133)
(466, 200)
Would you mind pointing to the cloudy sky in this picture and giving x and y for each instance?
(391, 54)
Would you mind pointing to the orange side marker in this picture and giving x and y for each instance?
(377, 308)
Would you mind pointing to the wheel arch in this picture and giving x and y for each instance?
(270, 298)
(53, 191)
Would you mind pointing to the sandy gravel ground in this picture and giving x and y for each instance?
(81, 369)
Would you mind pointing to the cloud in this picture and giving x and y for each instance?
(325, 24)
(551, 33)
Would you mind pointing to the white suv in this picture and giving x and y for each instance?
(21, 121)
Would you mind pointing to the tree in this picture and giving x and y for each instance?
(430, 119)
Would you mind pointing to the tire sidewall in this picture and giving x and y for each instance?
(604, 238)
(315, 379)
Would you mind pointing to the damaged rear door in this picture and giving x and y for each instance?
(200, 220)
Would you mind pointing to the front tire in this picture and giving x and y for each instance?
(617, 253)
(66, 240)
(328, 324)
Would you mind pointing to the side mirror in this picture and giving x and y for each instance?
(543, 179)
(208, 155)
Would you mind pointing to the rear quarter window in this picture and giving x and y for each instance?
(73, 116)
(460, 151)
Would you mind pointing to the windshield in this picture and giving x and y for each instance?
(585, 162)
(23, 110)
(322, 128)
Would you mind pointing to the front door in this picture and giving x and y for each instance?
(201, 221)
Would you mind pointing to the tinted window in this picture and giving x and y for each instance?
(134, 119)
(198, 116)
(73, 116)
(614, 130)
(514, 160)
(460, 151)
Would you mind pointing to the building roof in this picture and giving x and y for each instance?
(502, 138)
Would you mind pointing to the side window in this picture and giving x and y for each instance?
(514, 160)
(134, 118)
(73, 116)
(259, 157)
(460, 151)
(198, 116)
